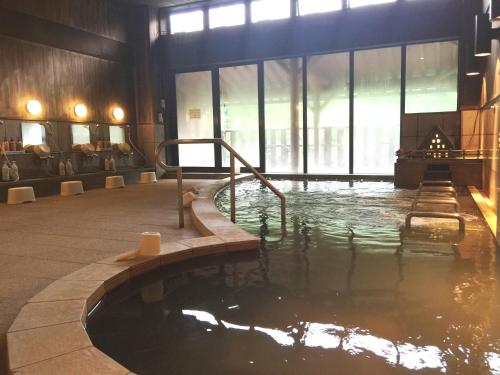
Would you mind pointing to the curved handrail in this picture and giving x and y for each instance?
(233, 155)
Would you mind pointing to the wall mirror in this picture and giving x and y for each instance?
(116, 134)
(80, 134)
(33, 133)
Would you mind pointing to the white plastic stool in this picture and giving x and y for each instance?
(148, 178)
(71, 188)
(20, 195)
(114, 182)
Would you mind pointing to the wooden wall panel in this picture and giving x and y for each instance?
(102, 17)
(59, 79)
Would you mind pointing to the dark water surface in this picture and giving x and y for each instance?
(347, 291)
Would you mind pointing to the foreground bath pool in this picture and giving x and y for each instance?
(347, 291)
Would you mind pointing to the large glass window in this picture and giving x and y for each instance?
(239, 112)
(305, 7)
(263, 10)
(377, 108)
(431, 77)
(186, 22)
(362, 3)
(195, 117)
(283, 114)
(230, 15)
(328, 113)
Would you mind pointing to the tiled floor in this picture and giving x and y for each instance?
(46, 240)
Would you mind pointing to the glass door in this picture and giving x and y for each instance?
(239, 112)
(195, 117)
(283, 115)
(377, 109)
(328, 113)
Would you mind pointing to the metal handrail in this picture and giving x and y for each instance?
(233, 154)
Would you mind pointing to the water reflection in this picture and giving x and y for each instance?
(352, 341)
(347, 289)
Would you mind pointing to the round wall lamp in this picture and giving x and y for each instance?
(81, 110)
(118, 113)
(34, 107)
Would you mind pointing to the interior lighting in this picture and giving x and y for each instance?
(34, 107)
(472, 66)
(81, 110)
(118, 113)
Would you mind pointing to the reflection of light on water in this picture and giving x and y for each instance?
(322, 335)
(235, 326)
(493, 360)
(356, 343)
(282, 338)
(202, 316)
(420, 357)
(331, 336)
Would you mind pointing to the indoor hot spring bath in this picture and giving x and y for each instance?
(348, 290)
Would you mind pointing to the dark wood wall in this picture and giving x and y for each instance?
(59, 79)
(63, 52)
(101, 17)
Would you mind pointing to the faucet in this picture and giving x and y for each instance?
(129, 138)
(49, 130)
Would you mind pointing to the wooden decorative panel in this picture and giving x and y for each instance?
(59, 79)
(101, 17)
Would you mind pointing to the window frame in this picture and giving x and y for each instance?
(171, 115)
(404, 73)
(177, 12)
(290, 14)
(228, 5)
(342, 4)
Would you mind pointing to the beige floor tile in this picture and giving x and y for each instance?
(41, 314)
(210, 241)
(20, 286)
(88, 362)
(101, 272)
(39, 344)
(12, 265)
(64, 290)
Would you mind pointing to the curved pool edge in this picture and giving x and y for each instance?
(48, 335)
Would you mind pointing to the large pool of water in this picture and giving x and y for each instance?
(346, 291)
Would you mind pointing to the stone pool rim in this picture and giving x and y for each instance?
(48, 335)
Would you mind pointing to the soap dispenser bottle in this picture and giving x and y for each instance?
(6, 147)
(14, 171)
(106, 163)
(5, 171)
(112, 164)
(62, 168)
(69, 168)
